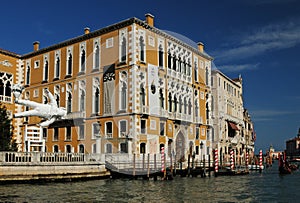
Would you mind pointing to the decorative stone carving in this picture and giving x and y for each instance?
(6, 63)
(50, 111)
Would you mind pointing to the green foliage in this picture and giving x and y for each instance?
(6, 131)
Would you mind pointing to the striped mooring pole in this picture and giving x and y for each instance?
(247, 160)
(162, 159)
(216, 159)
(260, 160)
(231, 159)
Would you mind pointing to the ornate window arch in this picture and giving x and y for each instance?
(96, 95)
(57, 94)
(123, 90)
(69, 97)
(82, 95)
(142, 45)
(97, 53)
(81, 148)
(123, 45)
(27, 79)
(161, 52)
(82, 58)
(57, 64)
(70, 61)
(6, 81)
(142, 95)
(46, 68)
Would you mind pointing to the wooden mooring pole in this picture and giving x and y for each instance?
(133, 172)
(148, 166)
(209, 165)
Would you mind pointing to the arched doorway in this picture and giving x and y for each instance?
(180, 147)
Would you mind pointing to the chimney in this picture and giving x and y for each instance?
(36, 45)
(86, 30)
(200, 46)
(150, 19)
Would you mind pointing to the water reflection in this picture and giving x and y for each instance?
(268, 186)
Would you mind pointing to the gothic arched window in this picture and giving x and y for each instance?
(170, 102)
(82, 61)
(142, 49)
(160, 56)
(123, 50)
(27, 75)
(97, 57)
(57, 67)
(142, 96)
(46, 70)
(70, 59)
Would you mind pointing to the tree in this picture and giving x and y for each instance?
(6, 131)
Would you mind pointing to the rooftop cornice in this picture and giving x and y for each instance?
(111, 28)
(9, 53)
(226, 77)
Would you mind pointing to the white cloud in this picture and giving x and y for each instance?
(269, 38)
(268, 115)
(238, 67)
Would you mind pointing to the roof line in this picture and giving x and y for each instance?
(9, 53)
(110, 28)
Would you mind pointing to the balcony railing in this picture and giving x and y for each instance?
(163, 112)
(74, 115)
(6, 99)
(174, 74)
(145, 110)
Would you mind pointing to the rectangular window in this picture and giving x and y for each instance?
(143, 126)
(197, 150)
(203, 132)
(94, 148)
(162, 128)
(96, 130)
(37, 64)
(68, 133)
(55, 135)
(123, 128)
(108, 148)
(108, 129)
(197, 133)
(45, 133)
(109, 42)
(151, 41)
(36, 93)
(81, 132)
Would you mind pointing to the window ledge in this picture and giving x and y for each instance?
(122, 63)
(68, 76)
(95, 70)
(81, 73)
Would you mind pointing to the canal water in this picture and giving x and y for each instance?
(267, 186)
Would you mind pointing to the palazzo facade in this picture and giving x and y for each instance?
(127, 88)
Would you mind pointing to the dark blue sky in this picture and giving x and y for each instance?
(259, 39)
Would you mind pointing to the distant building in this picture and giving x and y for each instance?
(293, 146)
(11, 72)
(249, 134)
(232, 125)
